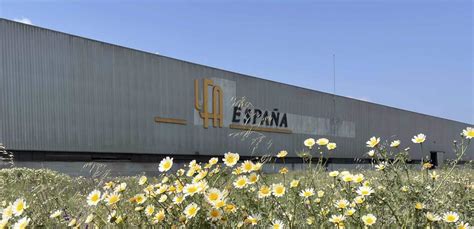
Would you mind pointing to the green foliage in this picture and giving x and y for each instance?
(393, 194)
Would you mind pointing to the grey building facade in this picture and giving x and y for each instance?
(68, 98)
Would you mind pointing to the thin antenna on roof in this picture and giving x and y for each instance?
(334, 94)
(334, 73)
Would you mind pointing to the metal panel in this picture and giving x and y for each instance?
(66, 93)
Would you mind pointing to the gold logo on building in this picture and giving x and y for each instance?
(217, 115)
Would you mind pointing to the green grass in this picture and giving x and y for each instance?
(403, 196)
(46, 191)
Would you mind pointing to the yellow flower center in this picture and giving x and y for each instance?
(213, 196)
(192, 189)
(19, 207)
(95, 198)
(215, 213)
(113, 199)
(167, 165)
(279, 190)
(160, 216)
(192, 211)
(450, 218)
(150, 210)
(230, 159)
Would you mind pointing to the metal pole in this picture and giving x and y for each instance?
(334, 94)
(334, 73)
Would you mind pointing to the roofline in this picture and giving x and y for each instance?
(244, 75)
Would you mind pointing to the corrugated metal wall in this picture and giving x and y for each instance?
(65, 93)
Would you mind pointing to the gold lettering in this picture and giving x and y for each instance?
(217, 115)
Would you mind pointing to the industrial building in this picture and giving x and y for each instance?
(66, 100)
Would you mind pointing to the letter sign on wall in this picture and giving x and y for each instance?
(217, 106)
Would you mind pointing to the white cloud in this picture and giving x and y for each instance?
(23, 20)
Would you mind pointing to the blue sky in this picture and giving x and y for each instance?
(415, 55)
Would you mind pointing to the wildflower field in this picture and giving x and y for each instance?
(229, 193)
